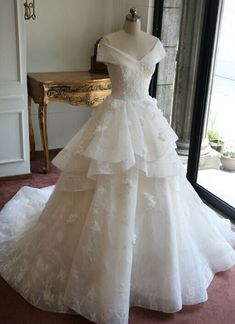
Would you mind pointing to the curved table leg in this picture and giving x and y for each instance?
(42, 116)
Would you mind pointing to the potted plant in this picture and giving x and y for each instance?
(228, 160)
(215, 141)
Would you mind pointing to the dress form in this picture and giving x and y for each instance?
(114, 232)
(131, 39)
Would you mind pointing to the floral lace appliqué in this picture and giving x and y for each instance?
(150, 200)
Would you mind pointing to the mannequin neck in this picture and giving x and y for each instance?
(132, 27)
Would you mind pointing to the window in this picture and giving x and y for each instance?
(214, 112)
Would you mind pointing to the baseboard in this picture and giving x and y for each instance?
(17, 177)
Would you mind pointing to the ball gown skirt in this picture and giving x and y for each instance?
(122, 227)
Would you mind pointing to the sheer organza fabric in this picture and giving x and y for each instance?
(122, 227)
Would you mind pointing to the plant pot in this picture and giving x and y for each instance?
(228, 163)
(217, 145)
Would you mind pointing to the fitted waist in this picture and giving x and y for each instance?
(129, 94)
(147, 99)
(127, 98)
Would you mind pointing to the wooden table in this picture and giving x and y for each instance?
(83, 89)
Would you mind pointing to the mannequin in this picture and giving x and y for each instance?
(131, 39)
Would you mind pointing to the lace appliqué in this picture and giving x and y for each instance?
(129, 183)
(100, 129)
(150, 200)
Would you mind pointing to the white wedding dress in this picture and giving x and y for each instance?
(122, 227)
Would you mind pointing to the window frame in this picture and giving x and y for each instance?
(209, 31)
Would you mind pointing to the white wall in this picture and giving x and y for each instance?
(62, 38)
(145, 9)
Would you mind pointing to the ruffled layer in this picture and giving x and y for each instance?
(119, 135)
(157, 251)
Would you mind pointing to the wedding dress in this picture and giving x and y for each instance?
(122, 227)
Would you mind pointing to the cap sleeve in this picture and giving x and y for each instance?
(106, 54)
(101, 53)
(160, 51)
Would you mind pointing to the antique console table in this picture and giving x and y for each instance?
(83, 89)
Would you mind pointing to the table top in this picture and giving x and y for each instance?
(67, 76)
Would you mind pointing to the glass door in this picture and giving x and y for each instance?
(211, 166)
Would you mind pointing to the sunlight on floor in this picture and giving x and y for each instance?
(221, 183)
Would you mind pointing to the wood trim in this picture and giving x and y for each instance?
(17, 177)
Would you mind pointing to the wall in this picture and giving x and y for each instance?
(145, 9)
(62, 38)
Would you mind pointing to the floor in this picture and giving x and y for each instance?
(38, 180)
(15, 310)
(219, 182)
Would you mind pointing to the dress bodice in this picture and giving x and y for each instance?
(130, 77)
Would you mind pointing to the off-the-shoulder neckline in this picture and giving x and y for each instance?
(128, 55)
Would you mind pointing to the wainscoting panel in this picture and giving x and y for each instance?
(12, 137)
(14, 141)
